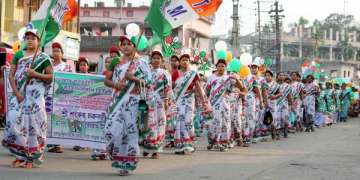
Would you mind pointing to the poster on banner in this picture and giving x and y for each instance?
(79, 104)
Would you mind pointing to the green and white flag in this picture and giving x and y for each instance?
(49, 19)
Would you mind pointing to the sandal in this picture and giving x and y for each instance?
(28, 165)
(155, 156)
(17, 163)
(123, 173)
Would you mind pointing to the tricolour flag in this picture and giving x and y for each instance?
(165, 15)
(50, 17)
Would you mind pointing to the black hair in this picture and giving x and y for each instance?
(269, 72)
(221, 61)
(278, 74)
(176, 57)
(297, 74)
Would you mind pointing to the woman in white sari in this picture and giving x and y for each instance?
(126, 76)
(25, 132)
(218, 87)
(185, 86)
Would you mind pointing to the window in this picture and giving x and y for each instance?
(348, 73)
(20, 3)
(86, 13)
(106, 13)
(106, 31)
(344, 73)
(130, 13)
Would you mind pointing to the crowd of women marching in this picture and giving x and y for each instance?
(155, 107)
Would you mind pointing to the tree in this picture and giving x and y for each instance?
(346, 49)
(303, 22)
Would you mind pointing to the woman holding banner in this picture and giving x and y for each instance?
(185, 86)
(153, 139)
(127, 77)
(25, 132)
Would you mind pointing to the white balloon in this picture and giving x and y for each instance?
(21, 33)
(132, 29)
(246, 59)
(220, 46)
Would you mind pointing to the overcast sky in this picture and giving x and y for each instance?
(293, 9)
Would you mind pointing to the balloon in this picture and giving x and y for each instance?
(220, 45)
(140, 44)
(132, 29)
(202, 54)
(267, 62)
(317, 66)
(244, 71)
(196, 59)
(16, 46)
(229, 56)
(221, 54)
(234, 65)
(316, 75)
(246, 59)
(21, 33)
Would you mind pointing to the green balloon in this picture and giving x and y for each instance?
(267, 62)
(316, 75)
(140, 44)
(234, 65)
(317, 66)
(221, 54)
(202, 54)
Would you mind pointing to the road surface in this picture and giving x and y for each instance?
(331, 153)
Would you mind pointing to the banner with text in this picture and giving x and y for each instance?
(79, 110)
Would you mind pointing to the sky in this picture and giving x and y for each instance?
(293, 10)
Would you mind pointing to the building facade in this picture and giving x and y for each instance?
(100, 28)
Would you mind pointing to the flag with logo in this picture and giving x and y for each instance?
(51, 15)
(165, 15)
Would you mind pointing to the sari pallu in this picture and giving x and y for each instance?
(153, 140)
(219, 131)
(309, 104)
(283, 107)
(345, 104)
(298, 87)
(249, 110)
(185, 103)
(236, 107)
(272, 89)
(121, 129)
(25, 131)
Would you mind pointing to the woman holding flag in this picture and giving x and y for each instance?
(128, 78)
(26, 128)
(185, 86)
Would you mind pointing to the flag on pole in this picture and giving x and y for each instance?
(50, 17)
(165, 15)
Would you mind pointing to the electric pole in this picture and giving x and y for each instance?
(277, 17)
(235, 35)
(259, 26)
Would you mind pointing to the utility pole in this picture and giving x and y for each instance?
(277, 17)
(259, 26)
(235, 35)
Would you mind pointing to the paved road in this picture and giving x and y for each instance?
(328, 154)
